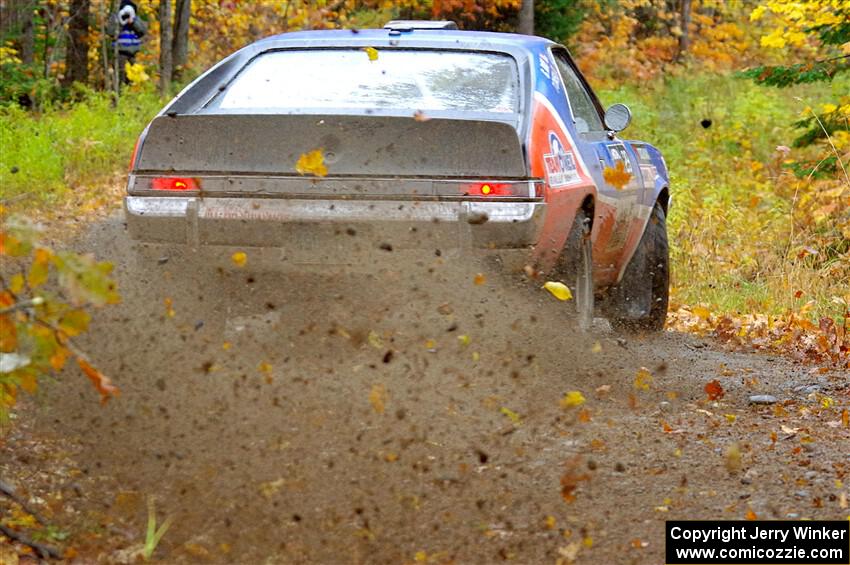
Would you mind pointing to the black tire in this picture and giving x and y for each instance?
(640, 300)
(576, 268)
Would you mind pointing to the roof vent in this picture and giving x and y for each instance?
(410, 25)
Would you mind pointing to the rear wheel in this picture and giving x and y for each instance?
(576, 266)
(640, 300)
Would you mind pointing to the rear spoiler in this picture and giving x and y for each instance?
(351, 145)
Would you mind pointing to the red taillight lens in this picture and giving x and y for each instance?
(174, 183)
(488, 189)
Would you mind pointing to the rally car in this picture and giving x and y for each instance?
(413, 137)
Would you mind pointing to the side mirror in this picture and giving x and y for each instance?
(618, 117)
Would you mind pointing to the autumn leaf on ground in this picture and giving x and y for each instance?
(750, 515)
(378, 398)
(571, 478)
(372, 53)
(714, 390)
(169, 310)
(643, 379)
(558, 290)
(617, 176)
(514, 417)
(572, 399)
(733, 458)
(479, 279)
(312, 163)
(375, 340)
(239, 258)
(102, 383)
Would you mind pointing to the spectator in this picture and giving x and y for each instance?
(127, 28)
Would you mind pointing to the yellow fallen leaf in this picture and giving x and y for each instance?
(375, 340)
(558, 290)
(169, 311)
(378, 398)
(733, 458)
(514, 417)
(464, 340)
(572, 399)
(372, 53)
(479, 279)
(597, 347)
(239, 258)
(587, 542)
(269, 489)
(550, 522)
(643, 379)
(264, 367)
(312, 163)
(730, 418)
(701, 312)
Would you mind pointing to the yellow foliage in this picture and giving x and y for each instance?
(136, 73)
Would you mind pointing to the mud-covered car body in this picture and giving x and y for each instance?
(218, 166)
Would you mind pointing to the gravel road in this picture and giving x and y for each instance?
(410, 415)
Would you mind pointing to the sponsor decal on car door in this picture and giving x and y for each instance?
(554, 157)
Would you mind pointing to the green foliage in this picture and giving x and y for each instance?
(795, 74)
(558, 19)
(66, 146)
(45, 298)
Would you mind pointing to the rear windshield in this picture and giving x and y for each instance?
(407, 80)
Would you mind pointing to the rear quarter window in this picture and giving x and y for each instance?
(302, 81)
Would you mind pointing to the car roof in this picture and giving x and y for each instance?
(439, 37)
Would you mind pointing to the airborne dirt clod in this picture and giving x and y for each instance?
(413, 414)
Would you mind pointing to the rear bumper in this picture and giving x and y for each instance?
(333, 230)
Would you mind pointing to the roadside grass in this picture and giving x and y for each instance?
(47, 157)
(746, 235)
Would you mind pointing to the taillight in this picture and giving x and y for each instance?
(496, 189)
(174, 183)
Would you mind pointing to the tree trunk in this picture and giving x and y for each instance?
(27, 34)
(164, 46)
(180, 43)
(77, 53)
(684, 23)
(526, 18)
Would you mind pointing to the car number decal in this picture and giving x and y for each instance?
(619, 153)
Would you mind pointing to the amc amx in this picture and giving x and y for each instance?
(420, 137)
